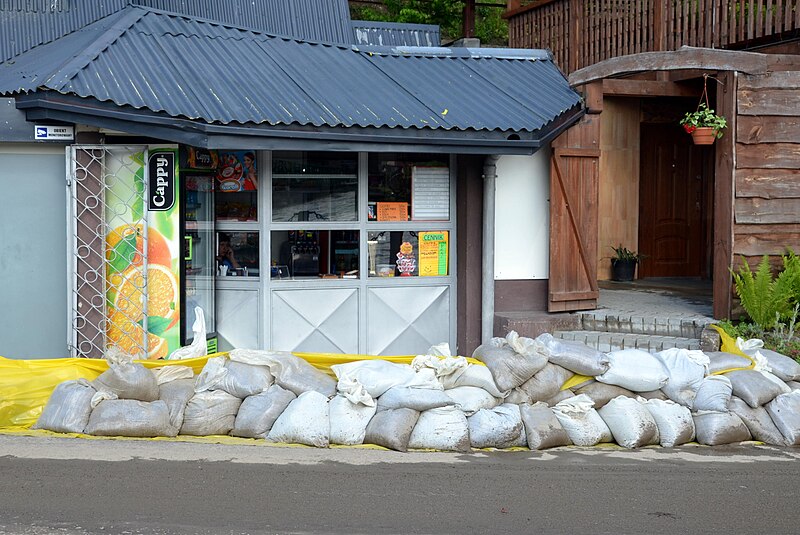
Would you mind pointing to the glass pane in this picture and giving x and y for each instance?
(314, 254)
(409, 253)
(198, 254)
(237, 254)
(314, 186)
(237, 182)
(408, 187)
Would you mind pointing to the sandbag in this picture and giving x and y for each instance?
(290, 371)
(542, 428)
(630, 422)
(561, 396)
(377, 376)
(653, 394)
(577, 357)
(391, 428)
(444, 428)
(794, 385)
(499, 427)
(258, 413)
(168, 374)
(68, 408)
(716, 428)
(305, 421)
(128, 380)
(720, 362)
(517, 397)
(580, 420)
(471, 399)
(511, 360)
(419, 399)
(713, 394)
(674, 421)
(758, 422)
(456, 371)
(130, 418)
(602, 393)
(785, 412)
(635, 370)
(176, 394)
(785, 368)
(546, 383)
(348, 420)
(754, 387)
(686, 369)
(210, 413)
(243, 380)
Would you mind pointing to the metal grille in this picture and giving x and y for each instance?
(108, 236)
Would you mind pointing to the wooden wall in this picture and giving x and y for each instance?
(767, 175)
(618, 219)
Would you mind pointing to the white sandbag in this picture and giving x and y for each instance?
(305, 421)
(785, 412)
(199, 346)
(130, 418)
(499, 427)
(561, 396)
(634, 369)
(720, 362)
(794, 385)
(456, 371)
(580, 420)
(68, 408)
(128, 380)
(471, 399)
(243, 380)
(166, 374)
(602, 393)
(419, 399)
(716, 428)
(391, 428)
(259, 412)
(686, 369)
(290, 371)
(653, 394)
(517, 397)
(212, 373)
(754, 387)
(713, 394)
(377, 376)
(444, 428)
(210, 413)
(348, 420)
(574, 356)
(176, 394)
(785, 368)
(511, 360)
(546, 383)
(758, 422)
(674, 421)
(631, 424)
(542, 428)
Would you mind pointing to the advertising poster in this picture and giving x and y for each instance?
(237, 171)
(433, 247)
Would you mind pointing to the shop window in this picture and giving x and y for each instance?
(237, 254)
(409, 253)
(314, 254)
(314, 186)
(236, 196)
(408, 187)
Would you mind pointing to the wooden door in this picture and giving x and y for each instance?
(673, 196)
(574, 176)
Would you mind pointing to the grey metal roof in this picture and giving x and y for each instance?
(26, 24)
(201, 70)
(395, 34)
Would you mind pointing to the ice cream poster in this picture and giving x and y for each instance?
(237, 171)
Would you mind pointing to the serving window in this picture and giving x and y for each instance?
(315, 254)
(408, 187)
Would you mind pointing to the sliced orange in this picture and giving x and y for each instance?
(125, 333)
(162, 293)
(157, 247)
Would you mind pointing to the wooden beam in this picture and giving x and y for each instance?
(724, 199)
(639, 88)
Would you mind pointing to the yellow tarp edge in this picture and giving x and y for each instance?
(728, 345)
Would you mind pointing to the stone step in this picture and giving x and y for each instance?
(682, 327)
(614, 341)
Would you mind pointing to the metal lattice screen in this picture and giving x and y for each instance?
(108, 233)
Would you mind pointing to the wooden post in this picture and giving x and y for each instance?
(659, 26)
(575, 39)
(724, 198)
(469, 18)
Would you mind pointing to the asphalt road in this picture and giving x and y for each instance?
(78, 486)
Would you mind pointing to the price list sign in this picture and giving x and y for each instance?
(433, 247)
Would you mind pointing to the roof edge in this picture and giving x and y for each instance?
(456, 52)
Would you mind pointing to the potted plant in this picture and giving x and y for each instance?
(704, 125)
(623, 263)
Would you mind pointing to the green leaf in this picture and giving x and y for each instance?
(123, 253)
(156, 325)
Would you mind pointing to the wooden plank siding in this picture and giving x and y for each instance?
(583, 32)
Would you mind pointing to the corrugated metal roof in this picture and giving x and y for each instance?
(395, 34)
(30, 23)
(206, 71)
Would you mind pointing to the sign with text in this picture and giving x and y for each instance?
(433, 252)
(161, 179)
(53, 133)
(392, 211)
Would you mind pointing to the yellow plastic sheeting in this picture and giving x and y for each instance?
(728, 345)
(324, 361)
(575, 380)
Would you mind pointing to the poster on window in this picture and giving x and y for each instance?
(237, 171)
(433, 247)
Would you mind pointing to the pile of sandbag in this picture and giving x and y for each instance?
(536, 393)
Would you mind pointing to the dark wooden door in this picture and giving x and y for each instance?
(673, 198)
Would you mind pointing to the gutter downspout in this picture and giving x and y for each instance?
(487, 264)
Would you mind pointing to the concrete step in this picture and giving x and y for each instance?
(674, 326)
(614, 341)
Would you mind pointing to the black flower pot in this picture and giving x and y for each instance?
(622, 270)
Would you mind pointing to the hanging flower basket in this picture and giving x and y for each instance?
(704, 135)
(704, 124)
